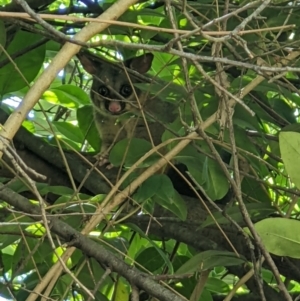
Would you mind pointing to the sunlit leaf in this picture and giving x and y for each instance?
(69, 130)
(290, 152)
(70, 96)
(279, 236)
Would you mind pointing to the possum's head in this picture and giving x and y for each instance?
(112, 92)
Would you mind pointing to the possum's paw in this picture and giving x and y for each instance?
(102, 159)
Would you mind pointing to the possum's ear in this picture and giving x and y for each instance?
(89, 65)
(141, 64)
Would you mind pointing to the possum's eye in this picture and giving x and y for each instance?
(125, 90)
(102, 90)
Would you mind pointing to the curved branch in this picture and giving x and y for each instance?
(91, 248)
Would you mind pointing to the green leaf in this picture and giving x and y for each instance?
(244, 120)
(5, 291)
(176, 205)
(68, 96)
(133, 149)
(2, 35)
(69, 130)
(256, 211)
(121, 290)
(289, 143)
(66, 143)
(243, 142)
(75, 208)
(295, 127)
(208, 260)
(64, 199)
(59, 190)
(150, 259)
(29, 125)
(159, 185)
(162, 254)
(42, 255)
(148, 34)
(83, 272)
(206, 296)
(206, 172)
(153, 14)
(149, 206)
(194, 163)
(216, 185)
(287, 112)
(217, 285)
(116, 244)
(280, 236)
(180, 204)
(29, 64)
(30, 281)
(254, 189)
(146, 190)
(18, 186)
(167, 91)
(165, 189)
(162, 188)
(7, 241)
(88, 127)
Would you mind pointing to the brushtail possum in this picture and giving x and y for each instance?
(113, 95)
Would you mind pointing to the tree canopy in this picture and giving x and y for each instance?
(209, 214)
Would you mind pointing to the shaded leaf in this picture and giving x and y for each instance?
(175, 204)
(150, 259)
(255, 211)
(2, 35)
(88, 127)
(208, 260)
(162, 254)
(279, 106)
(129, 151)
(217, 285)
(29, 63)
(59, 190)
(147, 190)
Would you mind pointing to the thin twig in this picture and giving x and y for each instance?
(47, 26)
(139, 26)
